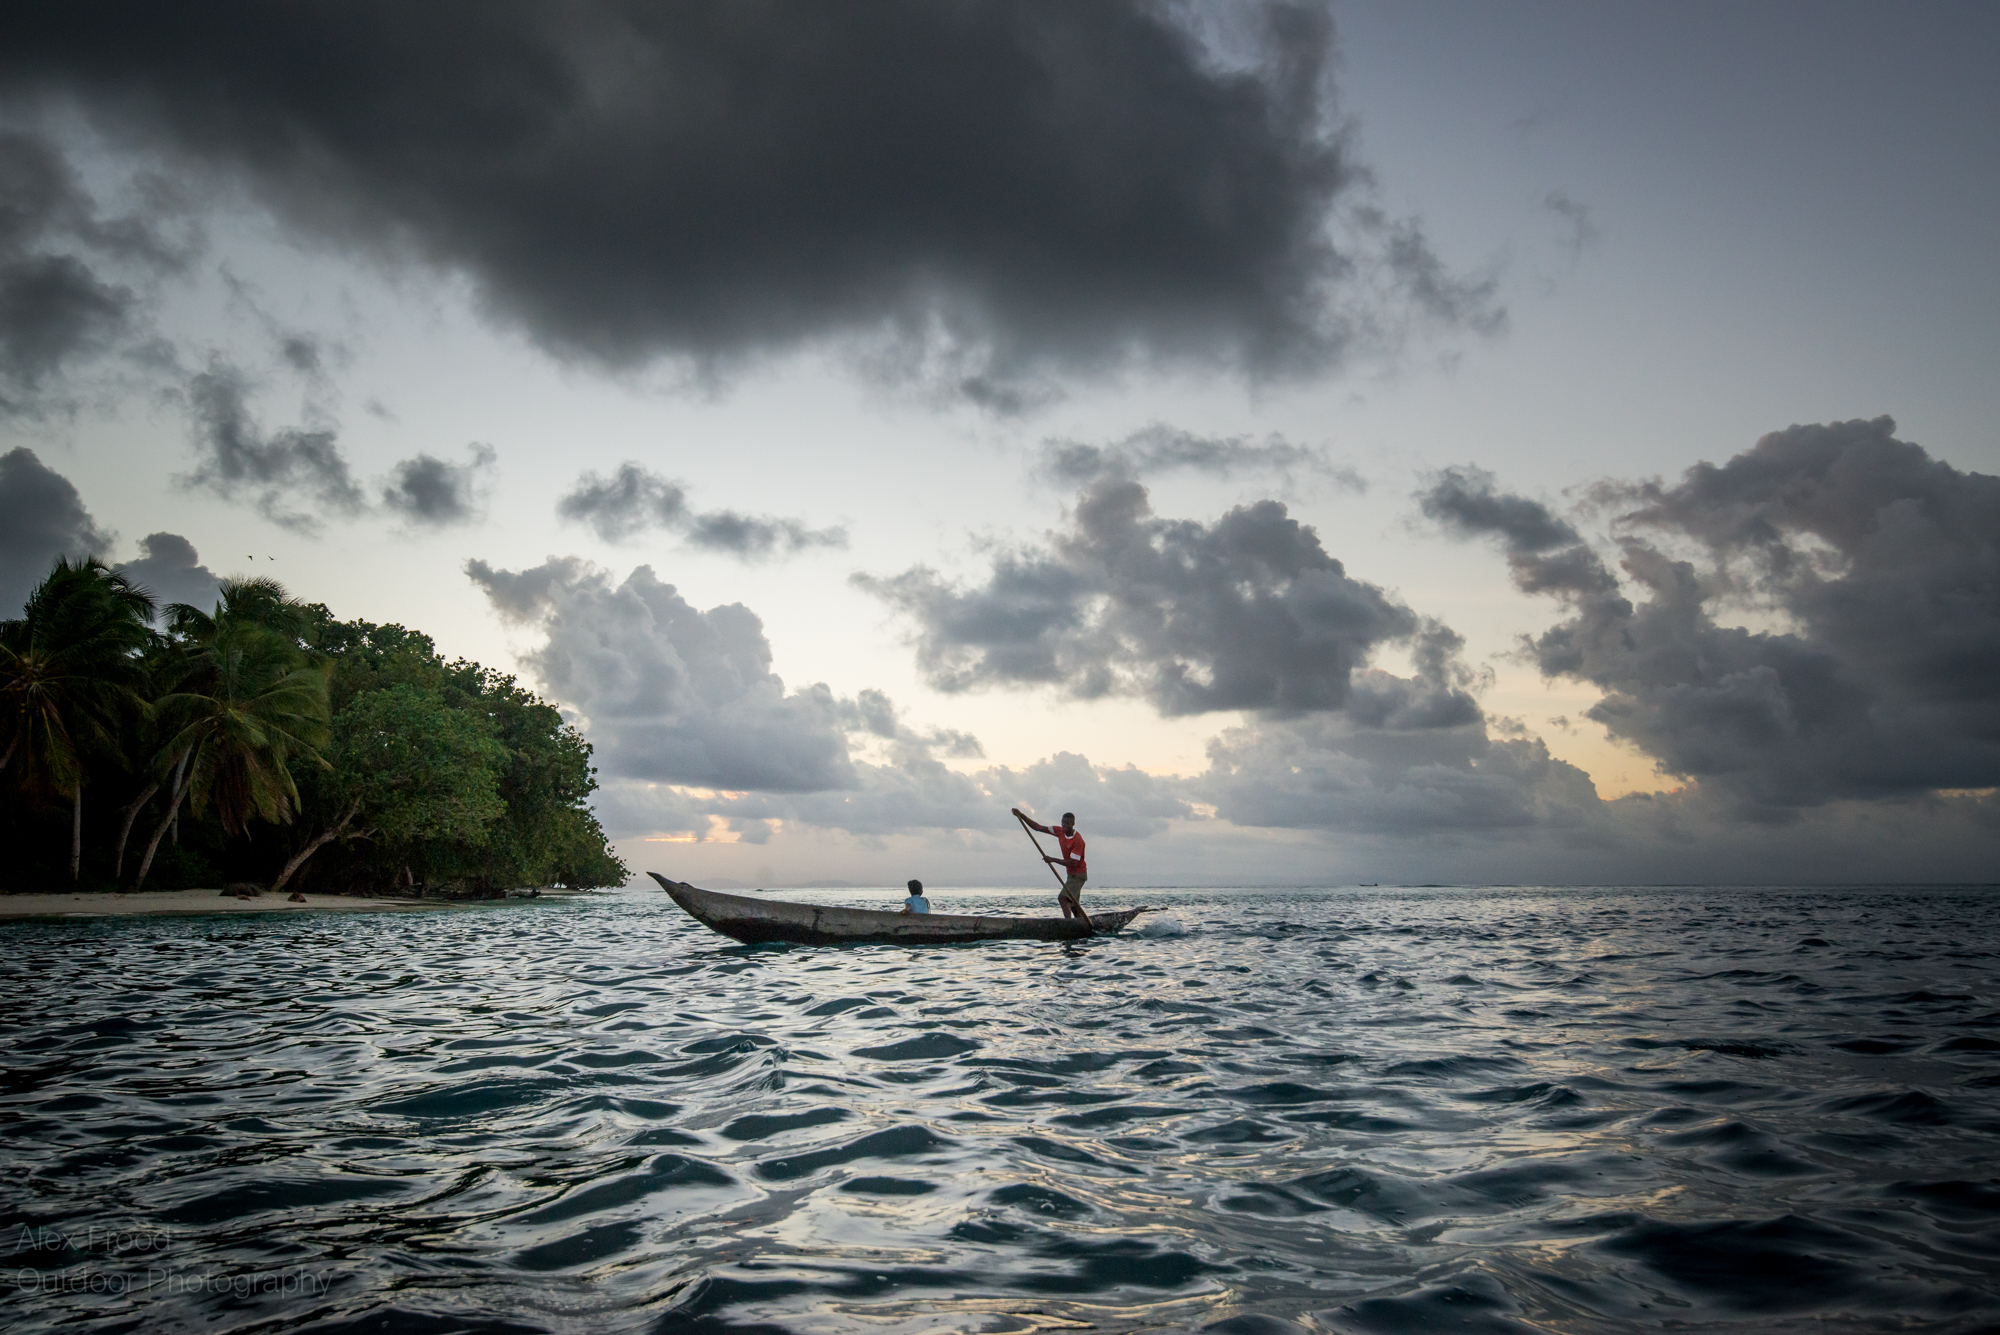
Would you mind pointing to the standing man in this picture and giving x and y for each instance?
(1072, 863)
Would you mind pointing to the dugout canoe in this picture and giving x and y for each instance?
(754, 921)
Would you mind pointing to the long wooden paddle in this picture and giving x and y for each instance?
(1029, 830)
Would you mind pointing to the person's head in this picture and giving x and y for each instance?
(1069, 822)
(916, 887)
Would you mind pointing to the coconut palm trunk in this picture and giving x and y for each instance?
(153, 844)
(76, 833)
(125, 829)
(257, 707)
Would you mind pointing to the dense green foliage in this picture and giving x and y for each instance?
(266, 741)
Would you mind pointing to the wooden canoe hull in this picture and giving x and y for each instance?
(756, 921)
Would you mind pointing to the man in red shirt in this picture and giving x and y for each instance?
(1072, 863)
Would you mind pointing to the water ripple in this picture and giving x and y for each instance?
(1263, 1113)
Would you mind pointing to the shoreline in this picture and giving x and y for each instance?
(158, 903)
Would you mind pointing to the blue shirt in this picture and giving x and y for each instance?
(916, 904)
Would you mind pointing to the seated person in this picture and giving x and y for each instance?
(916, 903)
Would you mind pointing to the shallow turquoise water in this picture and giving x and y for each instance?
(1353, 1110)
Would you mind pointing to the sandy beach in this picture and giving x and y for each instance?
(197, 901)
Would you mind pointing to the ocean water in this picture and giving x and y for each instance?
(1373, 1110)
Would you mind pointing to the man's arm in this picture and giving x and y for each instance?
(1032, 822)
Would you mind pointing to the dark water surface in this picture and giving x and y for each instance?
(1360, 1110)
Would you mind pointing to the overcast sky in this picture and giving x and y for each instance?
(1532, 443)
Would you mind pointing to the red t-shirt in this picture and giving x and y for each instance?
(1071, 848)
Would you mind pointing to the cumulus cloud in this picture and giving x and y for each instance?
(625, 504)
(1334, 772)
(689, 724)
(668, 692)
(1880, 566)
(1405, 756)
(910, 791)
(699, 739)
(1467, 500)
(58, 304)
(998, 188)
(635, 499)
(171, 570)
(1159, 448)
(428, 492)
(1249, 612)
(1122, 802)
(41, 517)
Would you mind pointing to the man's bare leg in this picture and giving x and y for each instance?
(1071, 899)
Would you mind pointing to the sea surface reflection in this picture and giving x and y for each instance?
(1348, 1110)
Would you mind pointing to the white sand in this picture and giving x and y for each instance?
(196, 901)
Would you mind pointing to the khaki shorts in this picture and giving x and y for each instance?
(1073, 890)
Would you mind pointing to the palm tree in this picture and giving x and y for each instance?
(160, 668)
(261, 601)
(69, 665)
(249, 702)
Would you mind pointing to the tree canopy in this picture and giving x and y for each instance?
(266, 740)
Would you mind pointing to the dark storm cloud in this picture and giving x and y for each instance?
(52, 308)
(1247, 613)
(278, 470)
(57, 305)
(1160, 449)
(989, 189)
(635, 499)
(428, 492)
(41, 517)
(1882, 566)
(171, 570)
